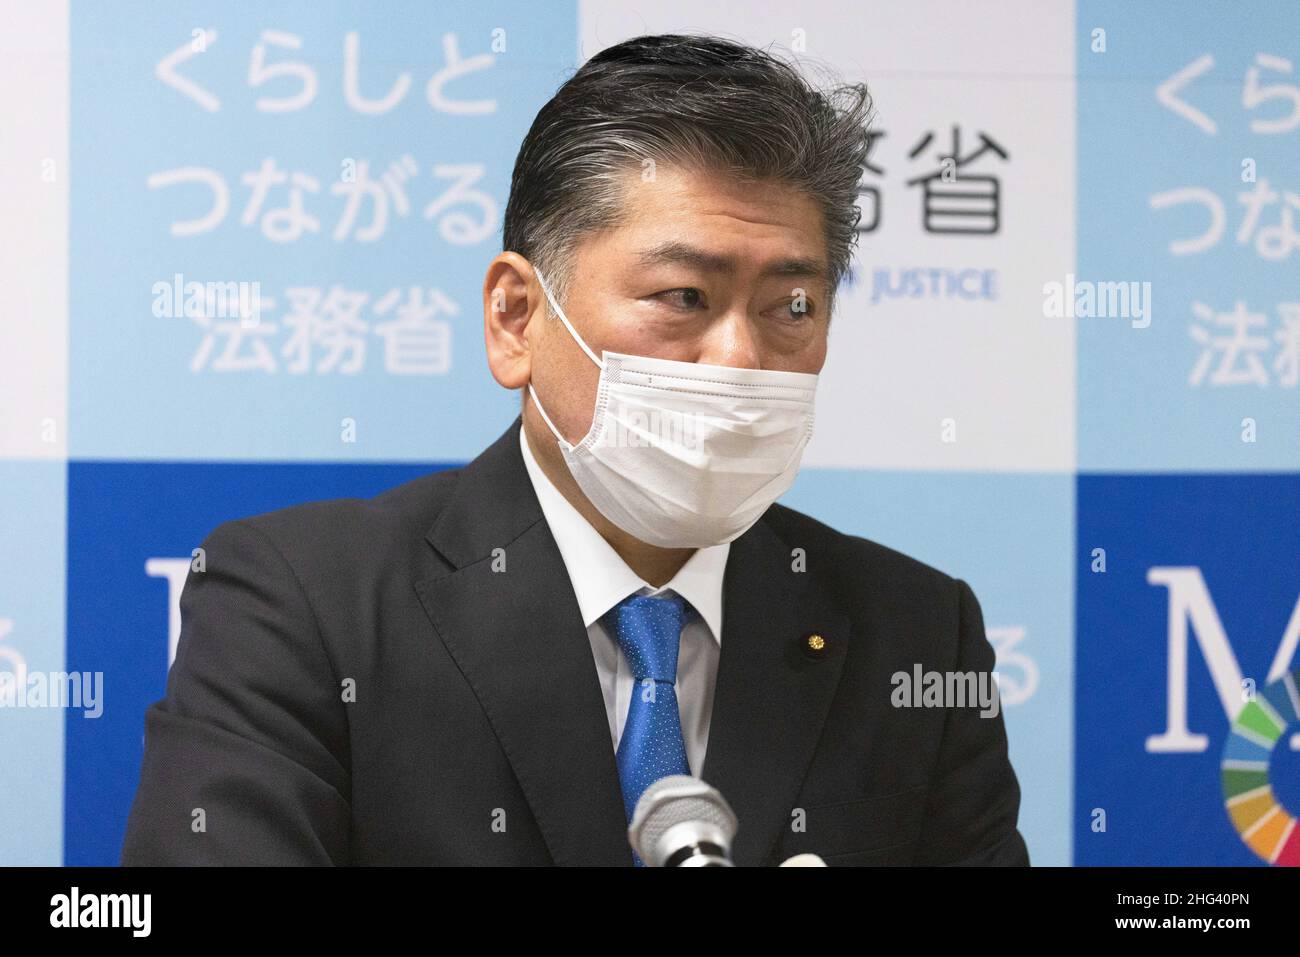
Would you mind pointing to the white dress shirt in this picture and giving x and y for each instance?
(601, 579)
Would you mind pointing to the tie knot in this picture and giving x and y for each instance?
(648, 628)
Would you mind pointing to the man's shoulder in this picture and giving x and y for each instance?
(355, 529)
(852, 566)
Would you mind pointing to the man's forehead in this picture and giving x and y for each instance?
(699, 256)
(712, 223)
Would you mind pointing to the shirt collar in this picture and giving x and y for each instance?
(600, 577)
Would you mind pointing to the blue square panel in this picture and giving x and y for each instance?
(131, 532)
(1188, 620)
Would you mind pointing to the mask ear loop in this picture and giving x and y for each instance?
(564, 443)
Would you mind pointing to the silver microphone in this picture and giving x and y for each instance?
(682, 822)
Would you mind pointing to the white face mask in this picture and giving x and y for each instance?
(686, 455)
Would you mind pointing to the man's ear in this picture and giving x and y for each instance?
(511, 299)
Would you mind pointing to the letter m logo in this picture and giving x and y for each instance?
(1190, 605)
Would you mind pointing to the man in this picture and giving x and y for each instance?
(490, 665)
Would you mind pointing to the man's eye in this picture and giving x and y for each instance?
(796, 310)
(686, 298)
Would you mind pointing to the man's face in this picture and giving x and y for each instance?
(702, 269)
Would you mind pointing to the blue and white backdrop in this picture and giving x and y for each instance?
(1067, 368)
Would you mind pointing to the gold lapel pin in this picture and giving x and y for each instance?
(814, 645)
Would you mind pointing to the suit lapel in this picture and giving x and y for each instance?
(518, 637)
(771, 699)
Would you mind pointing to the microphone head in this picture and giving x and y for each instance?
(681, 817)
(803, 860)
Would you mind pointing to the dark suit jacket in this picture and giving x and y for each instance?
(407, 680)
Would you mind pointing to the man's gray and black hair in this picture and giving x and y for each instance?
(697, 102)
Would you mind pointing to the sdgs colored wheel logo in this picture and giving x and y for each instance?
(1188, 671)
(1265, 825)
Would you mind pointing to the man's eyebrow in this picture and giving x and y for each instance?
(680, 253)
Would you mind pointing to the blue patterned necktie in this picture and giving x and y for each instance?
(648, 629)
